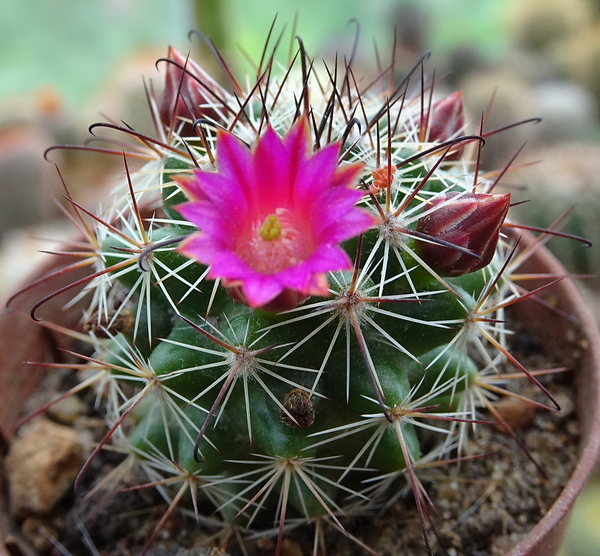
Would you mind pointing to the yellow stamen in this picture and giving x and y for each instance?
(270, 229)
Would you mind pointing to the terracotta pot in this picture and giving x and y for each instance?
(23, 339)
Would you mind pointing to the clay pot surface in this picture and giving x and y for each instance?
(25, 340)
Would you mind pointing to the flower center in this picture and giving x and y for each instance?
(271, 228)
(275, 244)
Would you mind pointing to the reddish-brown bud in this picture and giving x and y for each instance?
(459, 222)
(185, 95)
(447, 119)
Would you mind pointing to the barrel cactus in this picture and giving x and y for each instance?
(299, 298)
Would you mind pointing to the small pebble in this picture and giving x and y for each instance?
(66, 410)
(290, 547)
(265, 544)
(39, 531)
(517, 413)
(41, 467)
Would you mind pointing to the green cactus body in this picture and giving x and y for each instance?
(302, 396)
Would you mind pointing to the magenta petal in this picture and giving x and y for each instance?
(228, 265)
(296, 277)
(325, 259)
(191, 187)
(260, 289)
(317, 174)
(353, 224)
(329, 258)
(199, 247)
(274, 169)
(205, 216)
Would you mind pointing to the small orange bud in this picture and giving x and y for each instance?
(467, 221)
(382, 178)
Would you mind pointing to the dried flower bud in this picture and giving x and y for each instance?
(183, 96)
(469, 221)
(299, 405)
(105, 326)
(447, 118)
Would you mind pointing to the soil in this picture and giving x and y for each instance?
(484, 506)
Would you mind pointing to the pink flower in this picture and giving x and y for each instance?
(271, 219)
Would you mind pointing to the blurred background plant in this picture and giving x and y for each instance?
(62, 62)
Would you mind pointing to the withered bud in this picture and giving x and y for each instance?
(447, 119)
(463, 221)
(299, 405)
(105, 326)
(184, 97)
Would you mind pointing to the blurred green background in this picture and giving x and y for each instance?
(63, 62)
(73, 45)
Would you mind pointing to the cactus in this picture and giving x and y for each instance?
(299, 298)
